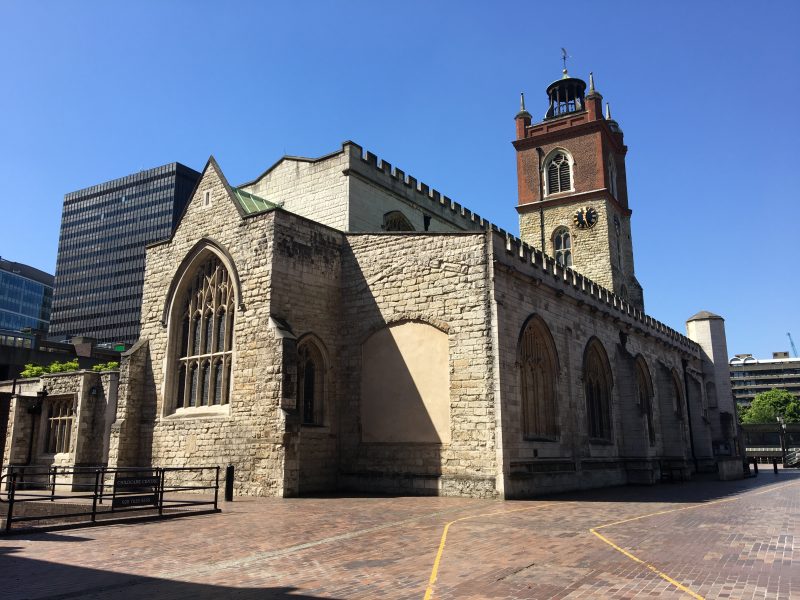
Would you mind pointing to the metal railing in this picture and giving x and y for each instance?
(87, 495)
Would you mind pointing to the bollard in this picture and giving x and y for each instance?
(229, 483)
(755, 466)
(775, 465)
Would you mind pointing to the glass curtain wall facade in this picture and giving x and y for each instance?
(101, 250)
(26, 296)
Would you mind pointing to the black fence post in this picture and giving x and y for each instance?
(229, 483)
(12, 481)
(755, 466)
(94, 495)
(102, 483)
(216, 487)
(161, 475)
(53, 473)
(775, 465)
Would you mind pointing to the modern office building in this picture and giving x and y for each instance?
(101, 250)
(26, 297)
(751, 376)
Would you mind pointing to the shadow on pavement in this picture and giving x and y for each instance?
(700, 489)
(32, 579)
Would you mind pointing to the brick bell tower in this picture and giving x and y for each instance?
(573, 197)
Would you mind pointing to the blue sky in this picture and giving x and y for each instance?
(706, 93)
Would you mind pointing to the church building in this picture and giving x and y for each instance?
(334, 324)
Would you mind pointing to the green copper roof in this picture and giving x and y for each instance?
(251, 203)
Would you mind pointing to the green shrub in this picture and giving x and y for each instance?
(59, 367)
(32, 370)
(111, 365)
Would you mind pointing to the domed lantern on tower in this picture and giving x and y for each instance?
(566, 96)
(572, 190)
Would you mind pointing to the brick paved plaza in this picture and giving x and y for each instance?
(685, 540)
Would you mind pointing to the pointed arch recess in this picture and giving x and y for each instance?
(312, 380)
(644, 396)
(185, 272)
(537, 364)
(597, 384)
(558, 171)
(201, 335)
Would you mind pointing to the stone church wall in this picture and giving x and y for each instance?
(314, 188)
(247, 432)
(441, 280)
(523, 289)
(306, 294)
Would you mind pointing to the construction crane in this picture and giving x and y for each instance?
(791, 341)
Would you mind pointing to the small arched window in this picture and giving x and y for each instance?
(311, 383)
(396, 221)
(562, 247)
(644, 397)
(203, 365)
(538, 368)
(597, 383)
(558, 171)
(612, 176)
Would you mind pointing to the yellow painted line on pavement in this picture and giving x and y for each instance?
(661, 574)
(438, 559)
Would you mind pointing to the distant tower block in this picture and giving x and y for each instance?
(573, 196)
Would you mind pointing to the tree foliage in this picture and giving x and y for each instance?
(766, 407)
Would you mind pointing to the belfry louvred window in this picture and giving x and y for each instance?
(559, 177)
(204, 363)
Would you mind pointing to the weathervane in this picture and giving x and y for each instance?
(564, 57)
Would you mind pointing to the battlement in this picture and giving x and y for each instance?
(584, 290)
(381, 172)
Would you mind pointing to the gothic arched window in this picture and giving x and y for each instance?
(597, 383)
(644, 397)
(558, 171)
(677, 395)
(311, 383)
(203, 365)
(562, 247)
(396, 221)
(538, 368)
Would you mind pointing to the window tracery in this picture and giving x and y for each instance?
(597, 383)
(204, 356)
(396, 221)
(538, 378)
(562, 247)
(559, 173)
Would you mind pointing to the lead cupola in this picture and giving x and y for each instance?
(566, 96)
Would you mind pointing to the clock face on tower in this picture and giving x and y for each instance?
(585, 218)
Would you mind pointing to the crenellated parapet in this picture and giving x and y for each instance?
(380, 172)
(584, 291)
